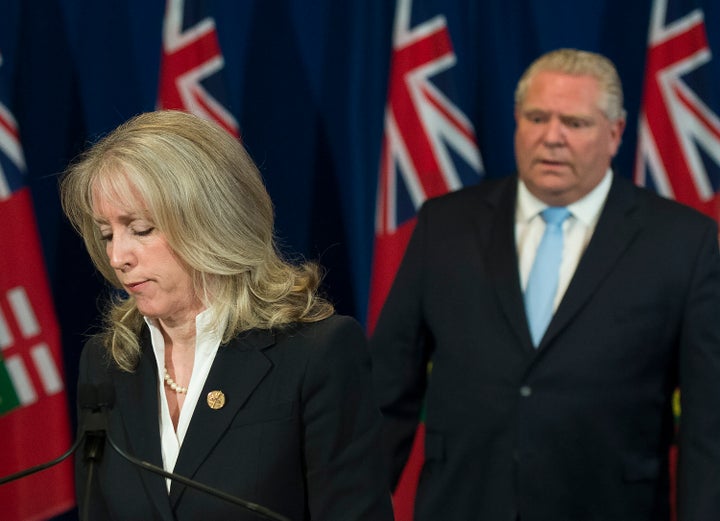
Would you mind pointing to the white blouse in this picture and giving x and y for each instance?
(206, 347)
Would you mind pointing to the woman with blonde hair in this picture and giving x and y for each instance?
(227, 366)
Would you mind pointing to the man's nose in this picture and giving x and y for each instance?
(554, 133)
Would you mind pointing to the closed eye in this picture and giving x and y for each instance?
(105, 233)
(144, 232)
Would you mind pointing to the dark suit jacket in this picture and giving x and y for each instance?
(298, 434)
(578, 429)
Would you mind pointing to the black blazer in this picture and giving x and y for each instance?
(298, 433)
(579, 428)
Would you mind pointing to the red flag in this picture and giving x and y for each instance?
(191, 55)
(33, 403)
(422, 125)
(676, 125)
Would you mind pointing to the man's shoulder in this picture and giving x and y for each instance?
(487, 191)
(657, 206)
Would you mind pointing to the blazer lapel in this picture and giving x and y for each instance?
(502, 262)
(619, 222)
(238, 369)
(137, 399)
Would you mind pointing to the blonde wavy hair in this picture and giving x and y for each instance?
(199, 187)
(579, 63)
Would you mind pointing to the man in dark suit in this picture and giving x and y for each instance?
(566, 418)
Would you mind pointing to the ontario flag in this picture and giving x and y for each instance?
(34, 419)
(678, 151)
(192, 60)
(428, 149)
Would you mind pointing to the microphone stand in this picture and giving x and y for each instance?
(42, 466)
(253, 507)
(96, 432)
(97, 400)
(94, 429)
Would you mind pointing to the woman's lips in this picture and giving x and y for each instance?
(135, 286)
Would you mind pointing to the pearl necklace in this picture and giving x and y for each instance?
(172, 385)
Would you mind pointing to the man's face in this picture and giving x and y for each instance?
(563, 141)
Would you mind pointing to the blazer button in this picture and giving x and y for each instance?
(525, 391)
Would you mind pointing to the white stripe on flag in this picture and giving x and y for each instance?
(47, 369)
(21, 380)
(4, 187)
(24, 314)
(9, 142)
(6, 338)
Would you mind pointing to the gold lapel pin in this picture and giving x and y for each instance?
(216, 399)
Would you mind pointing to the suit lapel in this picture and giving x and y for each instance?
(137, 399)
(238, 369)
(502, 262)
(619, 222)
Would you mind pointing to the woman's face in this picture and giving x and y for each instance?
(145, 264)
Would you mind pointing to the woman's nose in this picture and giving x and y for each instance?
(119, 252)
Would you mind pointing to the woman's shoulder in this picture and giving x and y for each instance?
(330, 352)
(95, 354)
(337, 337)
(94, 345)
(331, 328)
(336, 322)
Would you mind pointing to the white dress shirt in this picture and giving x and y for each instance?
(577, 231)
(206, 347)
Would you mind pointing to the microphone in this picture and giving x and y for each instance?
(96, 401)
(99, 400)
(90, 397)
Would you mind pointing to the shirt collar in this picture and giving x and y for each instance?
(206, 338)
(586, 210)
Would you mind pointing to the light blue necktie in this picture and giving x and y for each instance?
(543, 280)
